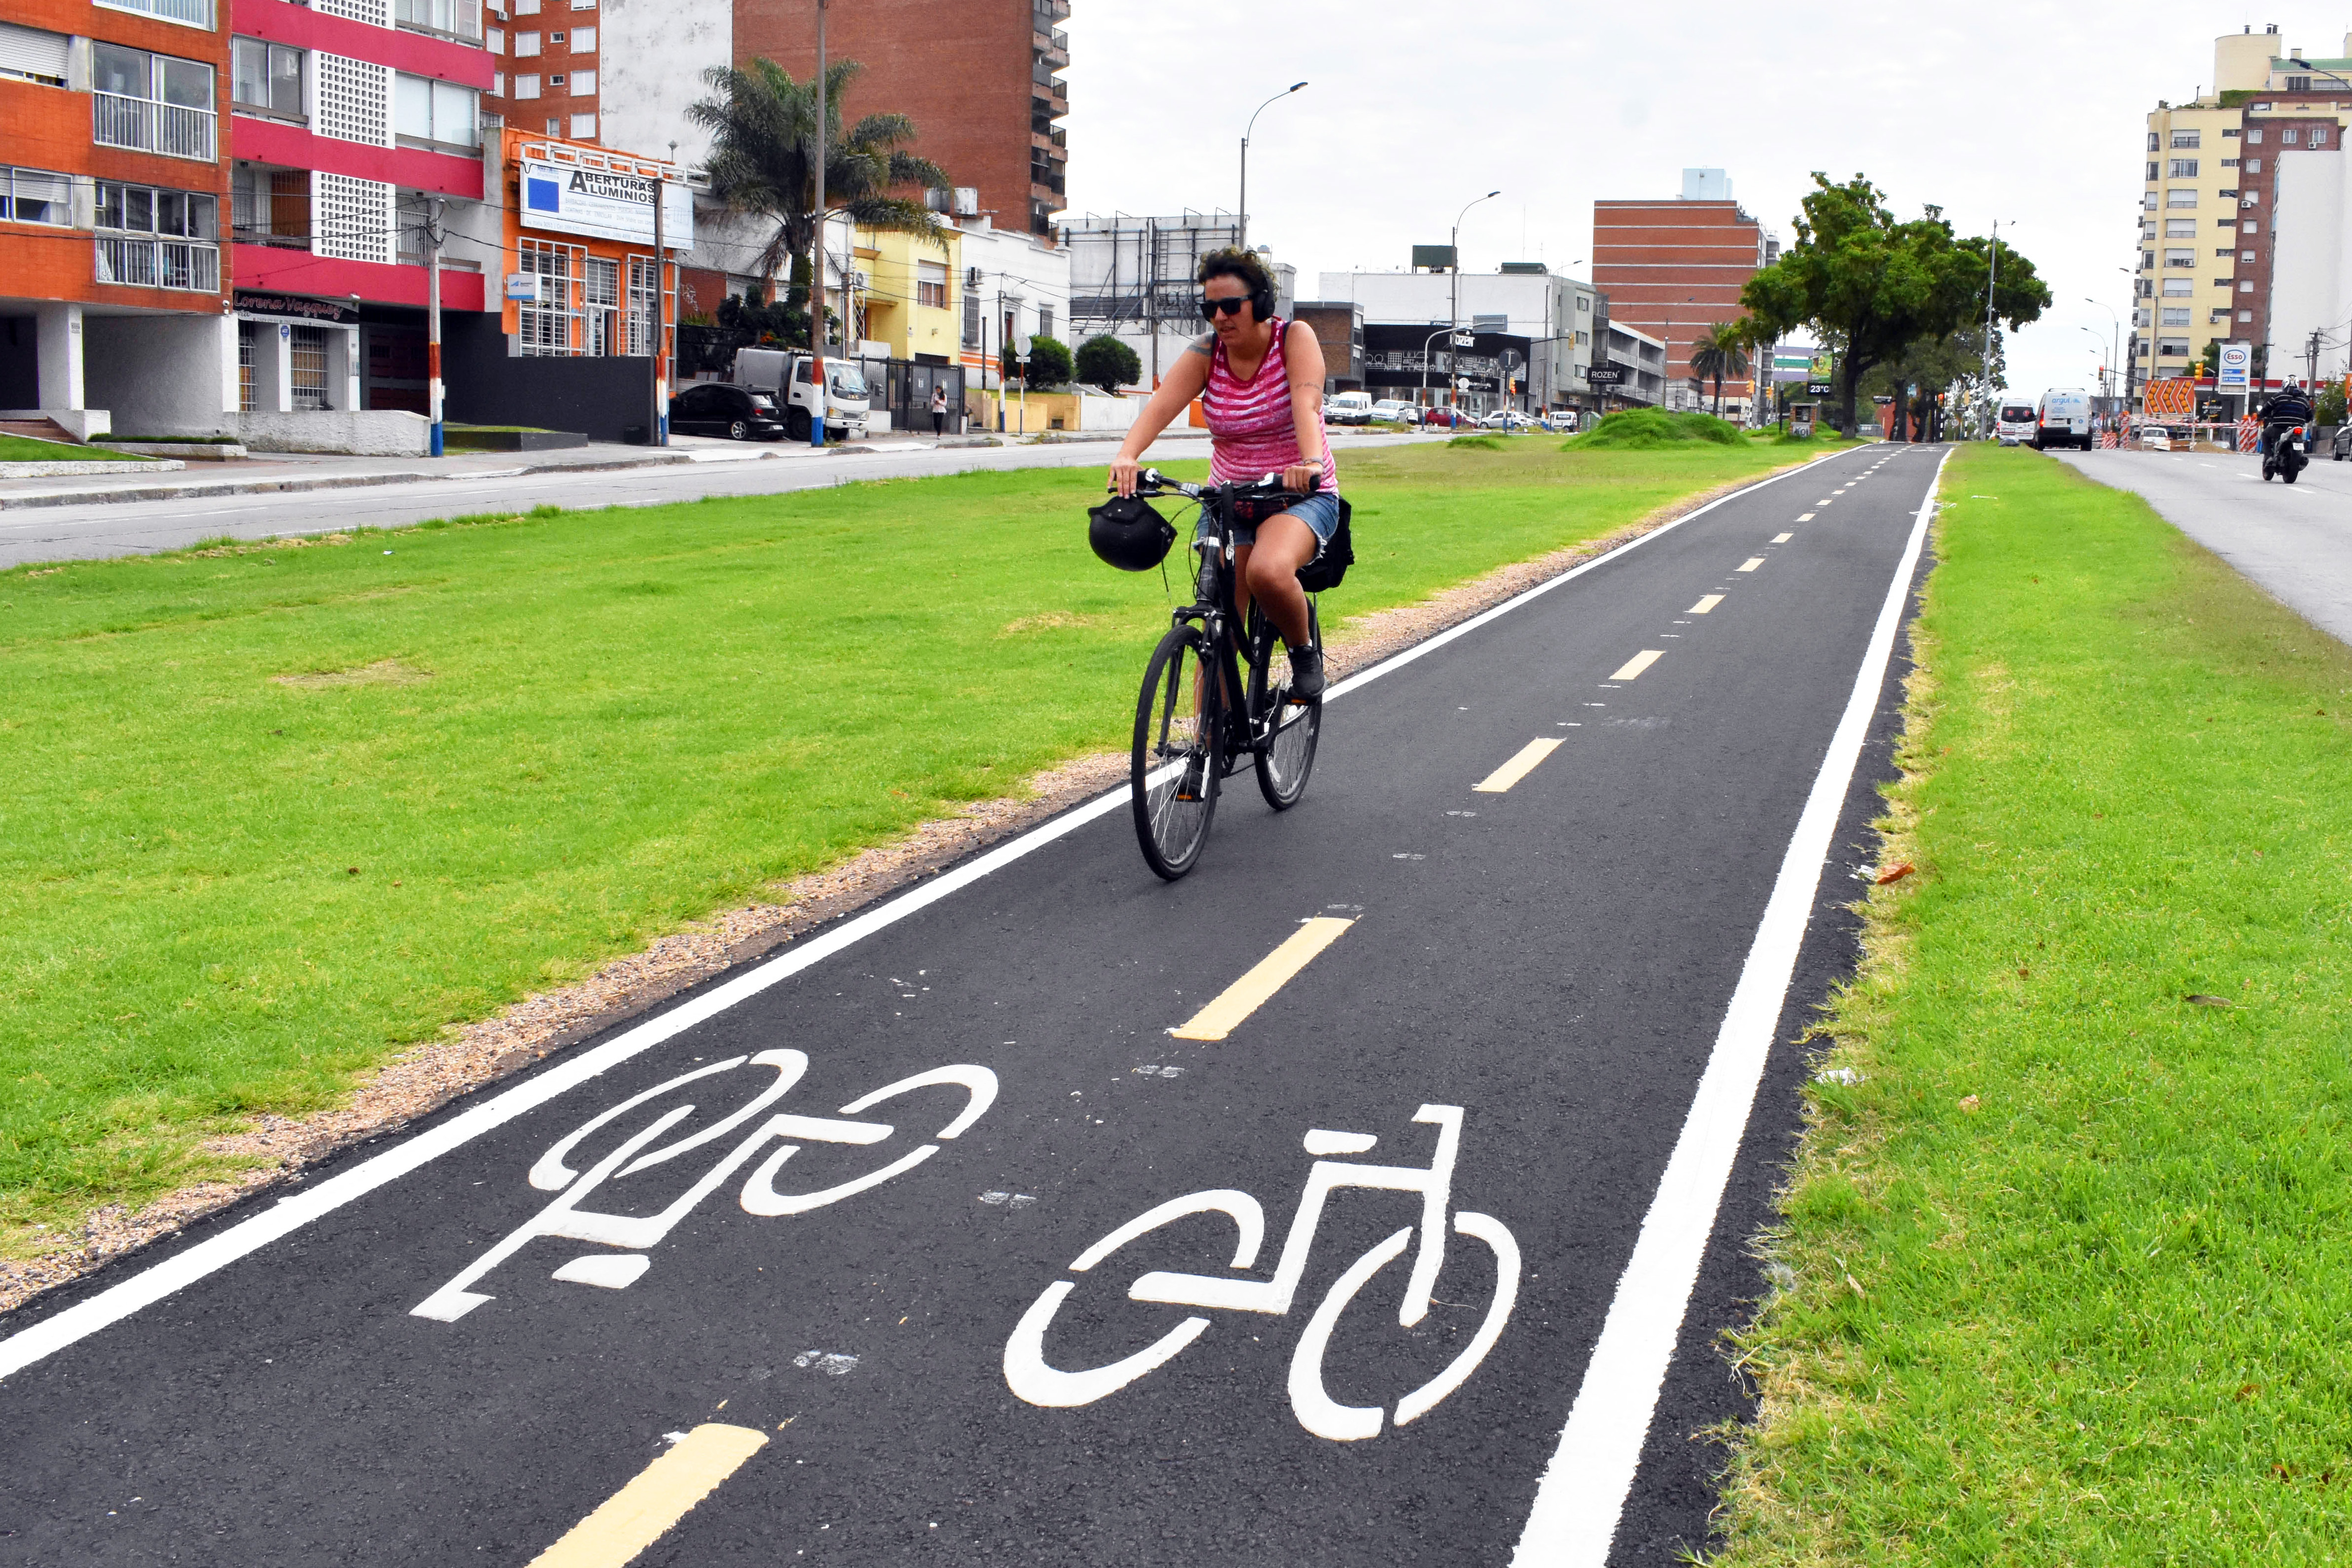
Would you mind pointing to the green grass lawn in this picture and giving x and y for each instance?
(2071, 1275)
(276, 811)
(25, 449)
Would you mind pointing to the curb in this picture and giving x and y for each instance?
(67, 470)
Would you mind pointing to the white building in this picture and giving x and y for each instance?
(1132, 279)
(2311, 272)
(1556, 316)
(1014, 286)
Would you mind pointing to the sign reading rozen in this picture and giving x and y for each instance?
(570, 199)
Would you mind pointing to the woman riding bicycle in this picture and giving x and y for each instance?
(1260, 381)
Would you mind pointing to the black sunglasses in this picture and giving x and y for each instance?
(1233, 307)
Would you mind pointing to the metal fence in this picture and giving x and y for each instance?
(146, 126)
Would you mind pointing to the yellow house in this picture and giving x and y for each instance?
(913, 294)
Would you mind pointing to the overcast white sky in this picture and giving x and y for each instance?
(2028, 112)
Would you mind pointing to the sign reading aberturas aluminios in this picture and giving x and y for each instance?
(569, 199)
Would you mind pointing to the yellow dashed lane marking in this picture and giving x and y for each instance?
(1804, 517)
(1268, 976)
(1518, 767)
(1752, 563)
(643, 1511)
(1638, 663)
(1704, 604)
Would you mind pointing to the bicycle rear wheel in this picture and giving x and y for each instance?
(1287, 754)
(1175, 767)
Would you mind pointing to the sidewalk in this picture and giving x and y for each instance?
(280, 471)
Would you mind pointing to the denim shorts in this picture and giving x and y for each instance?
(1319, 512)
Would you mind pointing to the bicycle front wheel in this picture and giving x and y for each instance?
(1285, 752)
(1175, 767)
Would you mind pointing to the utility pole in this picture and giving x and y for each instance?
(659, 425)
(816, 279)
(433, 320)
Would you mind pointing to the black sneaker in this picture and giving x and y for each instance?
(1305, 673)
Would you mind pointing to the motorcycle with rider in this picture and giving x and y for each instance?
(2286, 421)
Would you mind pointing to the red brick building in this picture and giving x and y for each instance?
(547, 53)
(1673, 268)
(978, 78)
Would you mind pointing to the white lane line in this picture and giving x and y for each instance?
(1782, 538)
(1638, 663)
(1582, 1493)
(301, 1206)
(1263, 979)
(1521, 764)
(1750, 564)
(1804, 517)
(1706, 603)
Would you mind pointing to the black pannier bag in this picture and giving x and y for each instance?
(1331, 564)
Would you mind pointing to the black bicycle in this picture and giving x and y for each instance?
(1190, 732)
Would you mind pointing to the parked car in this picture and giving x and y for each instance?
(1391, 411)
(1444, 417)
(1347, 408)
(1505, 419)
(2155, 438)
(2339, 446)
(716, 408)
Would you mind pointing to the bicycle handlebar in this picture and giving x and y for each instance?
(1152, 482)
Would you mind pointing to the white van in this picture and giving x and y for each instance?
(787, 375)
(2063, 420)
(2013, 426)
(1347, 408)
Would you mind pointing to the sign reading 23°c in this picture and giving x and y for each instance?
(603, 202)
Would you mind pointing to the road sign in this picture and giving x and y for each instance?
(1021, 346)
(2237, 361)
(1603, 375)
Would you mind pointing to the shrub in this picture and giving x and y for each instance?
(1646, 429)
(1049, 361)
(1482, 443)
(1107, 362)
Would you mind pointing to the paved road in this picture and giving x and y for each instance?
(879, 1294)
(2294, 540)
(97, 530)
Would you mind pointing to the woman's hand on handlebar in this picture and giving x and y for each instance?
(1304, 477)
(1123, 475)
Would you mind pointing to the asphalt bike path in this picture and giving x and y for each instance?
(1339, 1203)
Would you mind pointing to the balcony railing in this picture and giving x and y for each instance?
(159, 263)
(151, 126)
(195, 13)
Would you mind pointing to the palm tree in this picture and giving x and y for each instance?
(1721, 351)
(763, 163)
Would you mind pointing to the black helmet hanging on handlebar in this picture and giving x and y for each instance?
(1129, 534)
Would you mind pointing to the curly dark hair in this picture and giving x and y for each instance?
(1233, 261)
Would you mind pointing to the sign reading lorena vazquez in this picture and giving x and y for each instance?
(574, 200)
(249, 301)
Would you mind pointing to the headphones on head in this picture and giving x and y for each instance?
(1261, 298)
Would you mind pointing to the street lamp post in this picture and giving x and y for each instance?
(1241, 219)
(1453, 317)
(2115, 338)
(816, 279)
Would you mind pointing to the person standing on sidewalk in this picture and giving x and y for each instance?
(938, 409)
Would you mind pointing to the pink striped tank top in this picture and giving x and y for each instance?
(1250, 425)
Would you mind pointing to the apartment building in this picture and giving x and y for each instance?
(353, 122)
(2208, 247)
(981, 82)
(112, 181)
(1673, 268)
(545, 76)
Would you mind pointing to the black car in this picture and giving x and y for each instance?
(715, 408)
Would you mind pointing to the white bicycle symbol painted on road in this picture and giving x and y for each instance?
(565, 1217)
(1024, 1354)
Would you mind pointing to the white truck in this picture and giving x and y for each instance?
(2063, 420)
(786, 374)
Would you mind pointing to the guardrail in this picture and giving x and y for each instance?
(146, 126)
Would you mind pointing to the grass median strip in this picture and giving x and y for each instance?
(277, 812)
(2062, 1273)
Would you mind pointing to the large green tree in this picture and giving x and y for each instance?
(763, 161)
(1872, 285)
